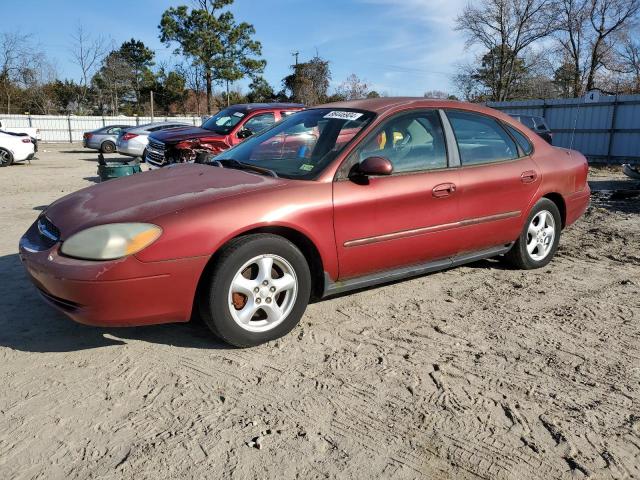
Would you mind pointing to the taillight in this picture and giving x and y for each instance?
(129, 136)
(26, 140)
(88, 135)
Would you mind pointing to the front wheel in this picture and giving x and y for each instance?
(539, 239)
(257, 291)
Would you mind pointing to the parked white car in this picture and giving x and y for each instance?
(32, 132)
(15, 147)
(134, 140)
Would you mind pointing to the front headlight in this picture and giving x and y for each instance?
(110, 241)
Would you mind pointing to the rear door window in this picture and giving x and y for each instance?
(528, 121)
(522, 140)
(481, 139)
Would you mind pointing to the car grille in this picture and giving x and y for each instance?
(155, 153)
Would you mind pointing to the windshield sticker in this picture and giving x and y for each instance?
(238, 114)
(342, 115)
(306, 167)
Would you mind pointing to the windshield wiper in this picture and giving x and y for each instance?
(231, 163)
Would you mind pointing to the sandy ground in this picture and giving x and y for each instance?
(478, 372)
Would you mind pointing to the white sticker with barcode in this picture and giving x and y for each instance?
(343, 115)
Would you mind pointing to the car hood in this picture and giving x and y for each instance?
(175, 135)
(143, 197)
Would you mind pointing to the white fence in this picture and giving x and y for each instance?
(61, 128)
(605, 129)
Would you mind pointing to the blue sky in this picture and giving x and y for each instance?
(401, 47)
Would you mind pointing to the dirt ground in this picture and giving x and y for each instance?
(476, 372)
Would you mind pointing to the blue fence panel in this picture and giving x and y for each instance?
(607, 130)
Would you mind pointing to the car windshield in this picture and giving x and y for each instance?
(303, 144)
(224, 121)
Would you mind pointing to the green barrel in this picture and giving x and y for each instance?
(117, 169)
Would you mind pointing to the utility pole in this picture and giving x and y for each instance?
(152, 105)
(295, 54)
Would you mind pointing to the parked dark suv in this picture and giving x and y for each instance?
(225, 129)
(537, 124)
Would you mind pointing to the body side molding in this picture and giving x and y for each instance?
(335, 288)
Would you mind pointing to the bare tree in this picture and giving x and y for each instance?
(353, 88)
(194, 75)
(587, 33)
(437, 94)
(607, 17)
(505, 28)
(630, 61)
(16, 50)
(87, 52)
(37, 80)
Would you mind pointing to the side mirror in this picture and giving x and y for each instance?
(373, 167)
(244, 133)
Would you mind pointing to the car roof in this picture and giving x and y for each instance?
(156, 124)
(247, 107)
(107, 127)
(385, 104)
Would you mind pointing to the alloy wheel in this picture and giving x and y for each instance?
(5, 158)
(262, 293)
(540, 235)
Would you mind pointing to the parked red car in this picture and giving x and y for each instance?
(225, 129)
(374, 191)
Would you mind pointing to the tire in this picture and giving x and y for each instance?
(108, 147)
(6, 158)
(538, 242)
(229, 303)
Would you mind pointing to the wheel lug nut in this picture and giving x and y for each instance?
(265, 283)
(268, 299)
(256, 290)
(272, 289)
(258, 300)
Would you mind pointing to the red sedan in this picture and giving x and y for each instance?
(365, 192)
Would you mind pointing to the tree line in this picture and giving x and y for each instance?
(527, 49)
(550, 48)
(213, 50)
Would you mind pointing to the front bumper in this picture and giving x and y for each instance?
(123, 292)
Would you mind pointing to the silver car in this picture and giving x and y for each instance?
(103, 139)
(134, 140)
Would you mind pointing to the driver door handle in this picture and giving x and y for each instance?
(444, 190)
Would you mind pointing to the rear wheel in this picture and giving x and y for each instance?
(258, 290)
(108, 147)
(539, 239)
(6, 158)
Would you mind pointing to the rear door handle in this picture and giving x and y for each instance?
(444, 190)
(529, 176)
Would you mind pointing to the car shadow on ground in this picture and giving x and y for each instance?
(616, 195)
(29, 324)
